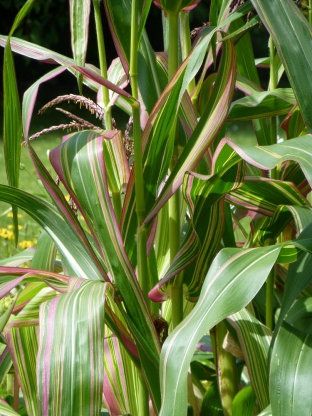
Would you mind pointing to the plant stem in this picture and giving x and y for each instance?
(226, 369)
(186, 43)
(174, 202)
(16, 394)
(143, 396)
(102, 59)
(143, 407)
(310, 12)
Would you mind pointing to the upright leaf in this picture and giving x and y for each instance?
(290, 375)
(291, 33)
(79, 28)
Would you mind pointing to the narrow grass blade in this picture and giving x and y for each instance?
(70, 246)
(79, 12)
(18, 259)
(5, 363)
(12, 126)
(208, 126)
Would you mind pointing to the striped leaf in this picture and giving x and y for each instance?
(119, 19)
(70, 378)
(7, 410)
(209, 124)
(80, 166)
(205, 199)
(75, 252)
(30, 95)
(262, 104)
(287, 25)
(116, 163)
(254, 339)
(19, 258)
(268, 157)
(225, 291)
(79, 13)
(5, 363)
(43, 54)
(265, 195)
(12, 126)
(21, 332)
(120, 381)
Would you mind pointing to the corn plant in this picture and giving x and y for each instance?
(177, 278)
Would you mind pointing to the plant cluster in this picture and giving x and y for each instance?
(175, 279)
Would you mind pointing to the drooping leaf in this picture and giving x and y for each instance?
(80, 165)
(77, 253)
(225, 291)
(30, 96)
(267, 157)
(262, 104)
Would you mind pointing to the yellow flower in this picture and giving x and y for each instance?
(7, 234)
(11, 226)
(25, 244)
(10, 214)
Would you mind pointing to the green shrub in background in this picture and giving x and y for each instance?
(177, 277)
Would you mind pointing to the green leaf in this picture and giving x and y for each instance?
(244, 403)
(71, 247)
(262, 104)
(12, 126)
(205, 199)
(6, 410)
(267, 157)
(209, 124)
(290, 375)
(287, 25)
(79, 12)
(234, 278)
